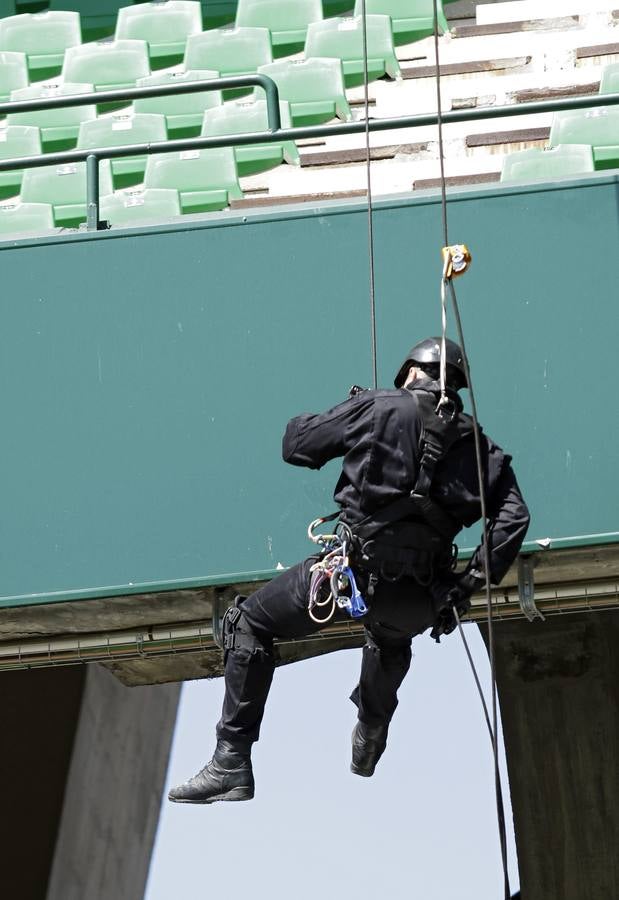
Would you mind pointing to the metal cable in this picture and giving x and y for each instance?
(482, 492)
(369, 194)
(475, 675)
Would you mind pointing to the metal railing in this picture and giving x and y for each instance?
(274, 135)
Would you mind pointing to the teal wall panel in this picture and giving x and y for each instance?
(148, 374)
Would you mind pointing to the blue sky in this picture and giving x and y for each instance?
(423, 828)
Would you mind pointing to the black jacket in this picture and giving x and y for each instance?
(378, 434)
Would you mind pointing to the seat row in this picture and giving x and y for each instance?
(169, 28)
(238, 51)
(99, 18)
(581, 141)
(205, 180)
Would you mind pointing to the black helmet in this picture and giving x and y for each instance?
(427, 352)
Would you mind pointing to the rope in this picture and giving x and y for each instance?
(482, 493)
(369, 194)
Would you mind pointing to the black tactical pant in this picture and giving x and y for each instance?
(399, 610)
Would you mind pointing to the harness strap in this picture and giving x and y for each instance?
(438, 435)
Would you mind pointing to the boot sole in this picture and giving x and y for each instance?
(366, 773)
(235, 794)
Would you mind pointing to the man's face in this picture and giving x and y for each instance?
(412, 376)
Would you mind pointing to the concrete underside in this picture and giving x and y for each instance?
(563, 578)
(559, 693)
(84, 760)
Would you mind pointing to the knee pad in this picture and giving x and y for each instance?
(237, 633)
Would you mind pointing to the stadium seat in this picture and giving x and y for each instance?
(183, 112)
(231, 51)
(286, 21)
(251, 115)
(108, 66)
(314, 88)
(43, 37)
(206, 179)
(562, 161)
(65, 188)
(119, 129)
(343, 38)
(411, 20)
(21, 218)
(17, 140)
(598, 127)
(59, 127)
(609, 83)
(165, 26)
(13, 73)
(135, 205)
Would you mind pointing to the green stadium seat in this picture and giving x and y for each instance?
(343, 38)
(109, 65)
(206, 179)
(411, 20)
(119, 129)
(17, 140)
(43, 37)
(22, 218)
(231, 51)
(184, 112)
(134, 206)
(165, 26)
(286, 21)
(562, 161)
(314, 88)
(243, 116)
(59, 127)
(13, 73)
(65, 188)
(598, 127)
(609, 83)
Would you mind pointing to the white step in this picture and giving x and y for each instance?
(525, 10)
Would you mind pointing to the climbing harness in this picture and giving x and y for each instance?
(332, 575)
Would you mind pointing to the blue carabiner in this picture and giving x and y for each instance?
(356, 606)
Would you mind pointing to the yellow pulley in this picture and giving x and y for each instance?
(456, 260)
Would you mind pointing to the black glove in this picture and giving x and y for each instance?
(453, 592)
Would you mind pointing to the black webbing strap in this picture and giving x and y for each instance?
(439, 433)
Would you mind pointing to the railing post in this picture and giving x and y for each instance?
(92, 192)
(272, 98)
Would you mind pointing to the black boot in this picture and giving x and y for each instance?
(368, 744)
(228, 776)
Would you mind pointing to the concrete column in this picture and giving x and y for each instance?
(559, 695)
(113, 790)
(40, 712)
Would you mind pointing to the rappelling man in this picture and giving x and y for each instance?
(409, 483)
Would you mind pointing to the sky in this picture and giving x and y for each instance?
(422, 828)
